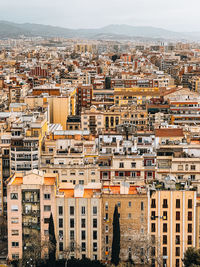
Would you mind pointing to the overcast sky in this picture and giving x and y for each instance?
(179, 15)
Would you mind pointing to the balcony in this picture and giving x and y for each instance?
(31, 212)
(22, 159)
(24, 149)
(31, 225)
(30, 200)
(62, 151)
(150, 167)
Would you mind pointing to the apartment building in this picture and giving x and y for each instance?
(135, 95)
(84, 94)
(79, 221)
(27, 133)
(71, 154)
(31, 200)
(173, 223)
(59, 107)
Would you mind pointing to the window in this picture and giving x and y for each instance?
(61, 246)
(46, 220)
(60, 223)
(180, 167)
(129, 203)
(192, 177)
(129, 215)
(46, 232)
(121, 165)
(94, 247)
(83, 223)
(71, 210)
(106, 206)
(15, 256)
(60, 210)
(119, 204)
(106, 228)
(15, 244)
(107, 240)
(178, 203)
(177, 263)
(189, 240)
(83, 235)
(177, 251)
(47, 196)
(153, 227)
(71, 235)
(164, 215)
(47, 208)
(164, 239)
(83, 246)
(95, 235)
(133, 164)
(148, 162)
(94, 223)
(83, 210)
(142, 205)
(71, 223)
(106, 218)
(165, 205)
(189, 216)
(149, 174)
(47, 161)
(177, 228)
(15, 232)
(178, 241)
(192, 167)
(164, 227)
(60, 234)
(81, 181)
(189, 203)
(189, 228)
(95, 210)
(153, 215)
(153, 203)
(14, 195)
(153, 251)
(164, 251)
(14, 208)
(178, 215)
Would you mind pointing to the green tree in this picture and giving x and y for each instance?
(191, 257)
(116, 238)
(34, 247)
(52, 239)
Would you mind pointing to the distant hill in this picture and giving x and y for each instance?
(15, 30)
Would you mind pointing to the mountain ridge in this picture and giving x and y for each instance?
(15, 30)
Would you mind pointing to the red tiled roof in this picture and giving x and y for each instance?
(169, 132)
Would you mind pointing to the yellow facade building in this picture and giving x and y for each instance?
(134, 95)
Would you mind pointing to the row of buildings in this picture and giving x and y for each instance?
(165, 216)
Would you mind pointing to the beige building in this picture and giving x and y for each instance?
(133, 209)
(79, 221)
(59, 107)
(173, 223)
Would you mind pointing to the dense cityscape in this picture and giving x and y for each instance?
(99, 152)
